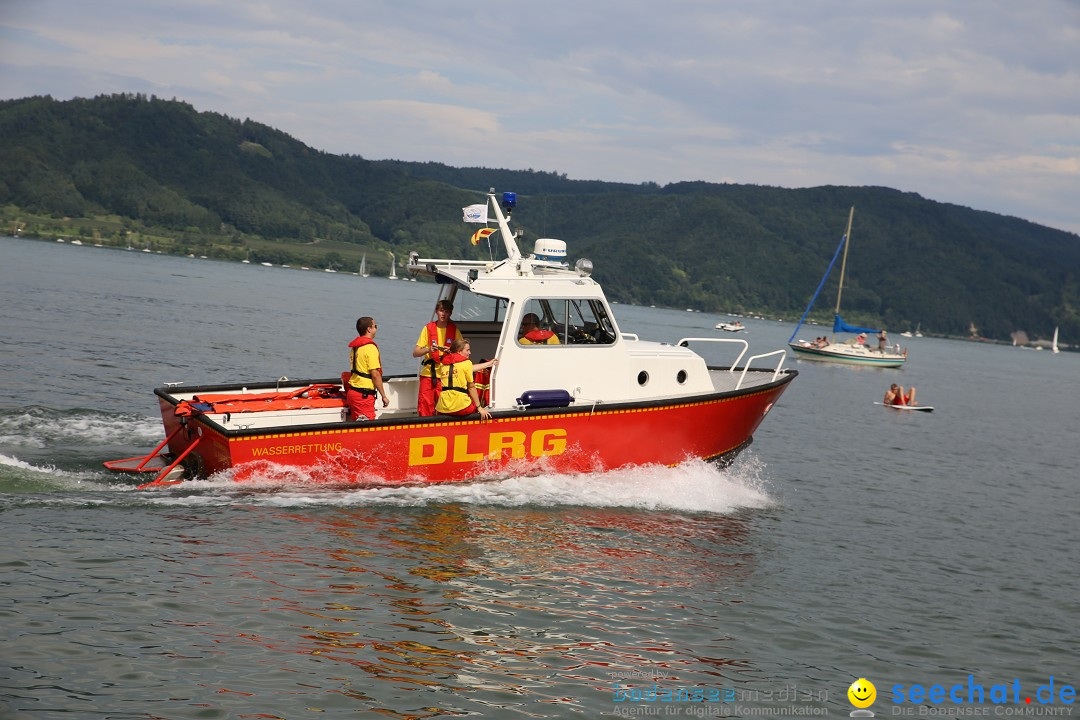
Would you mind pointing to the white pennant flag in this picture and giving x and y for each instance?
(475, 213)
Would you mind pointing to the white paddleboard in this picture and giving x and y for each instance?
(919, 408)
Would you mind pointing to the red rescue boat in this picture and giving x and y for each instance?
(597, 399)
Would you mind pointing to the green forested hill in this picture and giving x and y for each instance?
(131, 169)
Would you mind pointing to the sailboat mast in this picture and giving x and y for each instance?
(843, 263)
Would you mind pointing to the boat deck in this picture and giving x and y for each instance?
(402, 392)
(730, 381)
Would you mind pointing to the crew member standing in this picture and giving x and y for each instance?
(364, 382)
(434, 340)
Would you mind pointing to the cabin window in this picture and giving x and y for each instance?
(468, 306)
(562, 322)
(480, 318)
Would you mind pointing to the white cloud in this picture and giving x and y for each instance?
(972, 103)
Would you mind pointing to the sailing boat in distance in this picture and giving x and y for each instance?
(1054, 345)
(393, 267)
(851, 352)
(363, 266)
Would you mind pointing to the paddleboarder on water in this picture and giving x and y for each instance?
(895, 396)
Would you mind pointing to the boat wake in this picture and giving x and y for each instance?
(43, 450)
(53, 457)
(41, 427)
(19, 476)
(692, 487)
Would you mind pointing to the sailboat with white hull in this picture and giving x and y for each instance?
(851, 352)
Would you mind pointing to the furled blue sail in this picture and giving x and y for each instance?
(840, 326)
(843, 239)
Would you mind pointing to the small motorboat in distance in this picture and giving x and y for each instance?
(731, 327)
(597, 399)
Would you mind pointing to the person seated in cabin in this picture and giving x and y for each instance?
(531, 334)
(458, 396)
(860, 339)
(363, 383)
(895, 396)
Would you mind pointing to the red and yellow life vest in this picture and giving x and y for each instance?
(539, 337)
(432, 359)
(360, 379)
(455, 371)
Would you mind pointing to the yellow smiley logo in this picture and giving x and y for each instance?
(862, 693)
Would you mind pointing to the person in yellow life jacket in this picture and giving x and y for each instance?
(531, 334)
(434, 340)
(458, 396)
(363, 383)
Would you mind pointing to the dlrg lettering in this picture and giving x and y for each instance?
(437, 449)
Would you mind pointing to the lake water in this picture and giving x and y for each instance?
(849, 541)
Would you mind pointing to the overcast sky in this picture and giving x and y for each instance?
(974, 102)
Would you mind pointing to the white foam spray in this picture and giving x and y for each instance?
(694, 486)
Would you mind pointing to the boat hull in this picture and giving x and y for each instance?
(854, 356)
(441, 450)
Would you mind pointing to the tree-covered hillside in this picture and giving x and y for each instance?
(131, 169)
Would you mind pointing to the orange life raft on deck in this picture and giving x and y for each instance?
(313, 396)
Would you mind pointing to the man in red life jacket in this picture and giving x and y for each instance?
(364, 379)
(434, 340)
(531, 334)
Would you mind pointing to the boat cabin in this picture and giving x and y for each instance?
(588, 357)
(589, 362)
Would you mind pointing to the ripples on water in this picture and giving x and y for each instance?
(848, 541)
(524, 595)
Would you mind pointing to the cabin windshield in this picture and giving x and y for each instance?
(479, 318)
(470, 307)
(573, 321)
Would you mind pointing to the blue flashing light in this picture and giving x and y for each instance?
(509, 199)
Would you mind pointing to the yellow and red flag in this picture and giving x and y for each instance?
(480, 234)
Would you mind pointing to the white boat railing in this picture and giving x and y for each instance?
(685, 342)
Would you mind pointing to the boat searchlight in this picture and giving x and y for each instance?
(583, 266)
